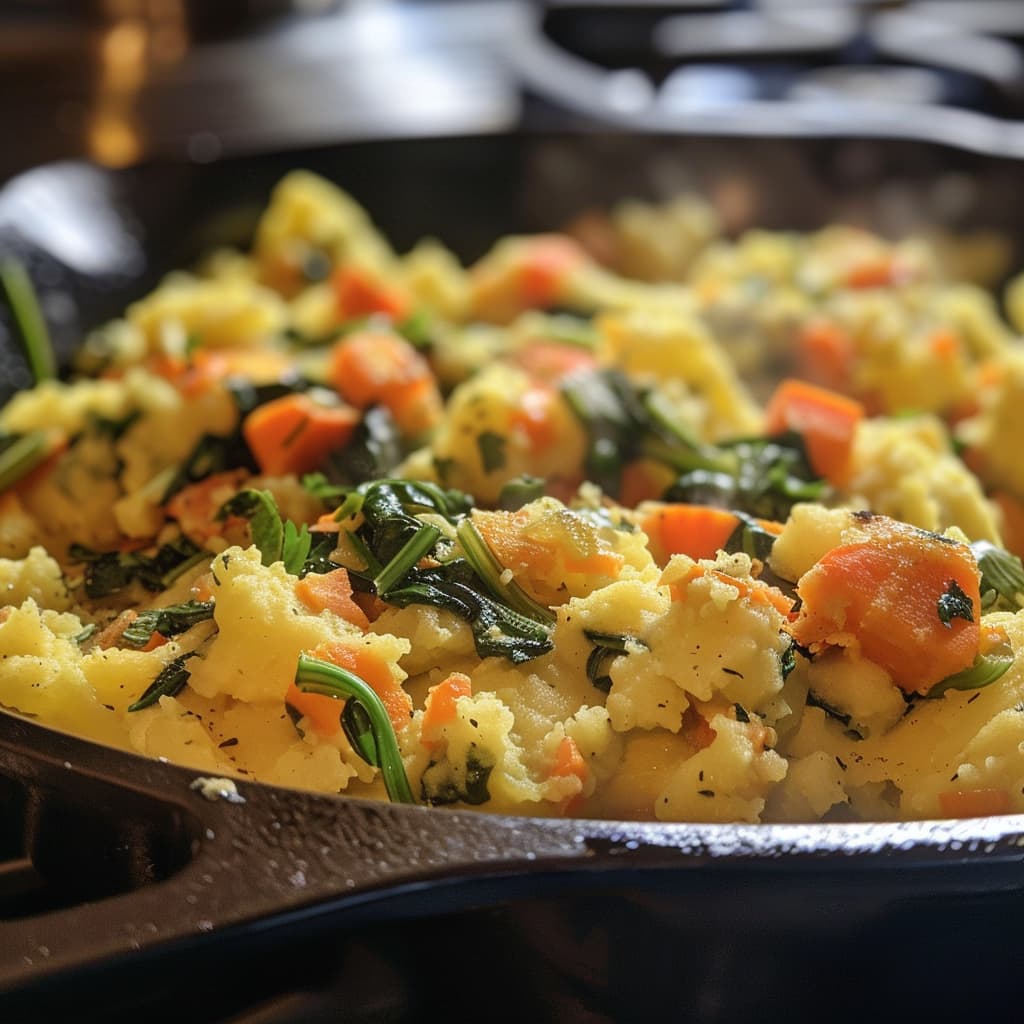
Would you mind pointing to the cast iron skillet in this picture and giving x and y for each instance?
(124, 890)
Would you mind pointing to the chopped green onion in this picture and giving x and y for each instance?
(422, 541)
(22, 455)
(987, 668)
(28, 319)
(315, 676)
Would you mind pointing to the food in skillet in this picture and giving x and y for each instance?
(519, 537)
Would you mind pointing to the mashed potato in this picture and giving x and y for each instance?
(535, 536)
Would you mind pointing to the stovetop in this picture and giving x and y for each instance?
(76, 81)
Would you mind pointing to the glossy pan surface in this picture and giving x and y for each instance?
(119, 879)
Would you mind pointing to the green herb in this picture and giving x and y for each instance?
(277, 540)
(769, 476)
(169, 683)
(1002, 577)
(443, 783)
(418, 329)
(391, 541)
(20, 454)
(816, 702)
(954, 604)
(750, 538)
(607, 647)
(295, 547)
(492, 450)
(167, 621)
(520, 491)
(987, 668)
(265, 524)
(404, 560)
(571, 329)
(28, 319)
(741, 713)
(109, 572)
(498, 631)
(373, 451)
(86, 633)
(114, 429)
(320, 487)
(315, 676)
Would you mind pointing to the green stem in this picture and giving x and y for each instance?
(491, 571)
(28, 319)
(315, 676)
(20, 457)
(422, 541)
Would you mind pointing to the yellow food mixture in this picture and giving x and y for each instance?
(534, 536)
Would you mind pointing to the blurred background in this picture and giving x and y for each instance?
(121, 81)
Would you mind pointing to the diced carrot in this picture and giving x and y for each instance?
(547, 263)
(882, 596)
(376, 672)
(696, 729)
(569, 760)
(550, 361)
(973, 803)
(295, 433)
(323, 713)
(570, 764)
(369, 367)
(825, 354)
(679, 529)
(326, 524)
(944, 344)
(331, 591)
(440, 709)
(202, 587)
(756, 591)
(195, 506)
(879, 271)
(358, 293)
(827, 421)
(532, 417)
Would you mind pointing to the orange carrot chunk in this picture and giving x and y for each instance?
(295, 433)
(694, 530)
(548, 260)
(885, 595)
(331, 591)
(552, 360)
(322, 712)
(358, 293)
(569, 760)
(371, 367)
(825, 354)
(973, 803)
(825, 420)
(375, 672)
(439, 709)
